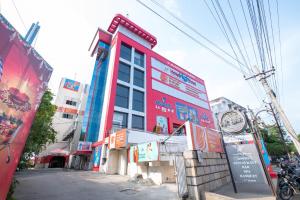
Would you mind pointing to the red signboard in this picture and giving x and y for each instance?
(23, 80)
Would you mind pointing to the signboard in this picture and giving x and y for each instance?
(232, 121)
(24, 76)
(84, 146)
(184, 112)
(245, 164)
(162, 125)
(121, 138)
(96, 157)
(71, 85)
(133, 154)
(202, 138)
(148, 152)
(112, 141)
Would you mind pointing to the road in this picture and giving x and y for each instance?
(71, 185)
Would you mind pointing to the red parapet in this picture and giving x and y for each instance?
(131, 26)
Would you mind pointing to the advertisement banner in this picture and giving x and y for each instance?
(23, 79)
(112, 141)
(148, 152)
(184, 112)
(84, 146)
(202, 138)
(133, 154)
(96, 157)
(71, 85)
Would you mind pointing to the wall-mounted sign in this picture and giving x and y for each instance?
(84, 146)
(148, 152)
(161, 125)
(202, 138)
(163, 105)
(184, 112)
(121, 138)
(204, 118)
(232, 121)
(97, 155)
(71, 85)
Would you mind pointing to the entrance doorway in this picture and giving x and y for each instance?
(57, 162)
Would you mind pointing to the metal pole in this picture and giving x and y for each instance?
(290, 130)
(280, 130)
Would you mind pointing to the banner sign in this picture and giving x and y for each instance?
(184, 112)
(202, 138)
(96, 157)
(71, 85)
(24, 77)
(144, 152)
(246, 167)
(84, 146)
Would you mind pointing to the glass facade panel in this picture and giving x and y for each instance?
(139, 58)
(138, 79)
(124, 72)
(122, 96)
(138, 101)
(125, 51)
(120, 119)
(137, 122)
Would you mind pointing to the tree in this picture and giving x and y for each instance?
(41, 132)
(274, 143)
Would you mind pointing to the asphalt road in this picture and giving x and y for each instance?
(73, 185)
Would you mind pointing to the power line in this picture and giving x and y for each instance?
(19, 15)
(192, 38)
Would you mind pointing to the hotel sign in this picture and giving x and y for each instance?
(233, 121)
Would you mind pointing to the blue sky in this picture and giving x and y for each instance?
(67, 28)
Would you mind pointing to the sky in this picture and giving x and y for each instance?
(68, 27)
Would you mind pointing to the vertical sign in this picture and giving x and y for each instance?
(24, 78)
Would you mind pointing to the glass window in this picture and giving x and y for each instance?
(72, 103)
(137, 122)
(138, 79)
(125, 51)
(67, 116)
(120, 119)
(122, 97)
(138, 101)
(139, 58)
(124, 72)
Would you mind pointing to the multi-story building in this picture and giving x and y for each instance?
(136, 89)
(221, 105)
(70, 101)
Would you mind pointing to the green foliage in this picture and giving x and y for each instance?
(274, 142)
(41, 132)
(12, 189)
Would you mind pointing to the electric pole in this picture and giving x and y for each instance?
(262, 76)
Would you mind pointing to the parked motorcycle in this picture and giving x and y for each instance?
(288, 180)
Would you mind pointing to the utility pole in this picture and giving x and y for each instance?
(262, 76)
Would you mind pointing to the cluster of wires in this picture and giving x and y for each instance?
(254, 42)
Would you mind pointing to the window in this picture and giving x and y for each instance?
(124, 72)
(125, 51)
(120, 119)
(137, 122)
(72, 103)
(138, 79)
(122, 97)
(138, 101)
(67, 116)
(139, 58)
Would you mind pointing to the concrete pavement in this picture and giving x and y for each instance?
(72, 185)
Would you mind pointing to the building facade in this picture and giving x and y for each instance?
(70, 101)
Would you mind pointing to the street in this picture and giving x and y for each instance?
(66, 185)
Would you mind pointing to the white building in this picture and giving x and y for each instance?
(221, 105)
(70, 101)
